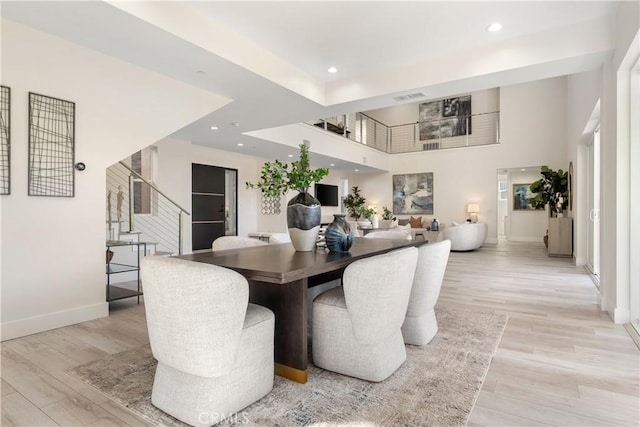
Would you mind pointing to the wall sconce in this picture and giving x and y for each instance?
(472, 210)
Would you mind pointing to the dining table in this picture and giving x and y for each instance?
(279, 277)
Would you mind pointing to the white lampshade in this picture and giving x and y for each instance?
(473, 208)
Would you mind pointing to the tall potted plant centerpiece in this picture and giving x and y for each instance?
(303, 210)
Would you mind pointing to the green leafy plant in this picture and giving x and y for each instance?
(552, 189)
(276, 178)
(354, 202)
(386, 213)
(367, 213)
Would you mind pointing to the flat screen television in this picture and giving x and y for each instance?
(327, 195)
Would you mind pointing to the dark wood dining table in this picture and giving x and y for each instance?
(279, 277)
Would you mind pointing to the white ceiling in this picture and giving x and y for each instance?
(359, 37)
(271, 58)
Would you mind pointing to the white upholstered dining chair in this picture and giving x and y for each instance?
(389, 234)
(214, 349)
(235, 242)
(420, 324)
(356, 327)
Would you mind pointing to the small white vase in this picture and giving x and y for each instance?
(375, 221)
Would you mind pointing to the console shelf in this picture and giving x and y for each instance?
(115, 292)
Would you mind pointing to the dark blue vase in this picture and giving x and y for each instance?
(303, 221)
(339, 236)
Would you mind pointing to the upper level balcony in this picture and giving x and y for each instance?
(455, 132)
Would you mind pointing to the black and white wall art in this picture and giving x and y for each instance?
(445, 118)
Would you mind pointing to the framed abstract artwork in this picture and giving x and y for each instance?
(521, 196)
(413, 193)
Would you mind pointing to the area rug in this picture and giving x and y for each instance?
(436, 386)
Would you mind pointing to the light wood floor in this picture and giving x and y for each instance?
(560, 362)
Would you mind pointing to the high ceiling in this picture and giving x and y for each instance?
(271, 58)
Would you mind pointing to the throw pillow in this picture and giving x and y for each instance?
(415, 222)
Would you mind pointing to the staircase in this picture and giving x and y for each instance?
(137, 211)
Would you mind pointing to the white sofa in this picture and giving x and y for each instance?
(465, 237)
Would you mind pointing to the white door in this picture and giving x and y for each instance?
(634, 214)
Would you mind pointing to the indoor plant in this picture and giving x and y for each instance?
(354, 202)
(552, 189)
(387, 218)
(303, 210)
(366, 213)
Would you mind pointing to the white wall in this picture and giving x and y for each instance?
(614, 228)
(525, 225)
(174, 179)
(53, 248)
(532, 129)
(483, 101)
(583, 94)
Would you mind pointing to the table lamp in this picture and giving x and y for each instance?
(472, 210)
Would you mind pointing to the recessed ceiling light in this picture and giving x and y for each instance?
(357, 170)
(235, 124)
(214, 127)
(523, 169)
(496, 26)
(332, 70)
(332, 164)
(289, 155)
(240, 144)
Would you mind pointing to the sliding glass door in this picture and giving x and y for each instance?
(634, 214)
(593, 211)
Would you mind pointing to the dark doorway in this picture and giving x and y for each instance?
(213, 199)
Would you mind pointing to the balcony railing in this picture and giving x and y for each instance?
(456, 132)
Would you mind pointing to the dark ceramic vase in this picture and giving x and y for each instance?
(339, 236)
(303, 221)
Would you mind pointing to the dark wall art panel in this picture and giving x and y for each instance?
(445, 118)
(5, 140)
(51, 146)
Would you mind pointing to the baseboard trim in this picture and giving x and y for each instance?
(525, 239)
(621, 315)
(58, 319)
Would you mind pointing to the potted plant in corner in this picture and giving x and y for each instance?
(354, 202)
(551, 189)
(303, 210)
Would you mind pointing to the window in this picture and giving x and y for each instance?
(143, 163)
